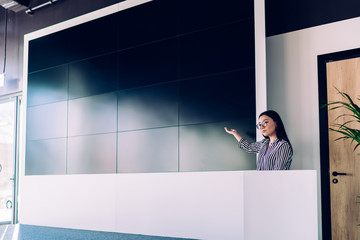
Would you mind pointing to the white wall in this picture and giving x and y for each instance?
(292, 83)
(189, 205)
(280, 205)
(251, 205)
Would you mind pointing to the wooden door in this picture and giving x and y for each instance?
(344, 189)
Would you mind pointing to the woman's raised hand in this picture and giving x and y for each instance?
(231, 131)
(234, 133)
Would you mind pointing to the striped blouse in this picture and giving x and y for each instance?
(277, 156)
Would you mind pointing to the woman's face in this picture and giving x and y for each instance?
(267, 126)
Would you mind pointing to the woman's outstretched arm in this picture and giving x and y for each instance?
(243, 143)
(234, 133)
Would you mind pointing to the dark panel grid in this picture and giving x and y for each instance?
(148, 64)
(45, 157)
(47, 121)
(93, 115)
(148, 107)
(218, 98)
(207, 147)
(152, 21)
(154, 150)
(218, 49)
(93, 38)
(93, 76)
(129, 79)
(199, 14)
(83, 41)
(92, 154)
(48, 86)
(48, 51)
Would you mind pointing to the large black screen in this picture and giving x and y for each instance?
(147, 89)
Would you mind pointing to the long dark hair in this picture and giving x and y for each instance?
(280, 129)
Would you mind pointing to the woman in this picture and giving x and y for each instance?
(275, 150)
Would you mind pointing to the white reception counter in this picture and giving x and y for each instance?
(202, 205)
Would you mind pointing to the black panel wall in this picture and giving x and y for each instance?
(284, 16)
(148, 89)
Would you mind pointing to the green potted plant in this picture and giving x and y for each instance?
(344, 129)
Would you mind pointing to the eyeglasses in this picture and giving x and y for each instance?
(263, 124)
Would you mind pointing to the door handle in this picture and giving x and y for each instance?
(9, 204)
(335, 173)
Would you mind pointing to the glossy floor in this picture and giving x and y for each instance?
(29, 232)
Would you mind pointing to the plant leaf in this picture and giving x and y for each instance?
(343, 128)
